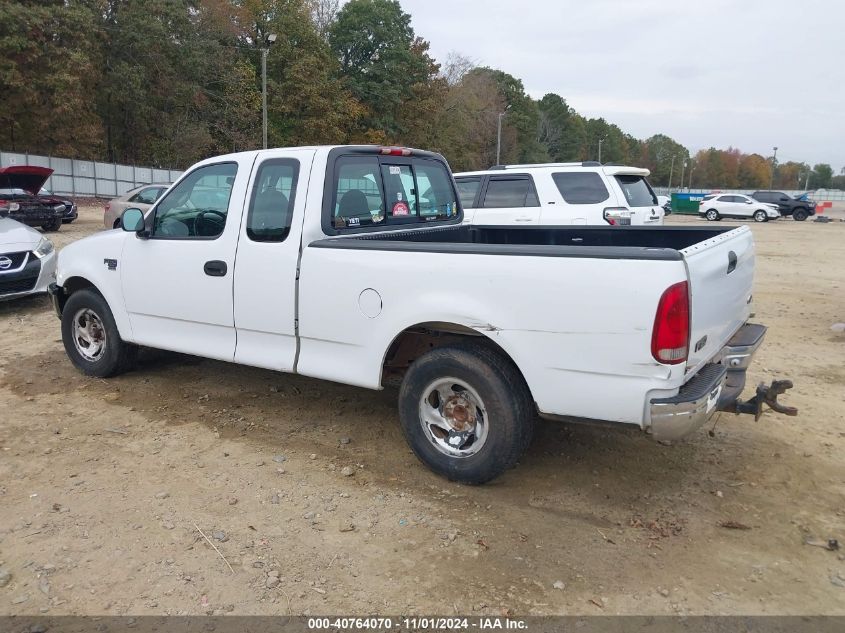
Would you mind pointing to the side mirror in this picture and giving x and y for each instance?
(132, 220)
(748, 202)
(784, 199)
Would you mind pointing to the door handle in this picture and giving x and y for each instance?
(215, 268)
(522, 219)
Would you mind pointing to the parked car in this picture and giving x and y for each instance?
(27, 259)
(19, 187)
(715, 206)
(665, 203)
(799, 207)
(71, 212)
(141, 197)
(302, 271)
(558, 194)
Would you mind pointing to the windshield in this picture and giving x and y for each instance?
(13, 192)
(637, 191)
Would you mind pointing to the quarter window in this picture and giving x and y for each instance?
(197, 206)
(271, 207)
(581, 187)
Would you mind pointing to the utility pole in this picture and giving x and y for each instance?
(691, 169)
(683, 165)
(601, 140)
(499, 135)
(672, 171)
(774, 164)
(268, 42)
(807, 181)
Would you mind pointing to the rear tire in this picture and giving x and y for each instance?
(90, 336)
(116, 224)
(799, 215)
(466, 412)
(761, 216)
(712, 215)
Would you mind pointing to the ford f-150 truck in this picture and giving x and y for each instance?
(352, 264)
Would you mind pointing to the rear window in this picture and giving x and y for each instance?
(467, 190)
(637, 191)
(505, 193)
(371, 192)
(581, 187)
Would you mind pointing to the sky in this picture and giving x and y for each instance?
(750, 74)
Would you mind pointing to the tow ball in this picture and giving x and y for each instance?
(767, 395)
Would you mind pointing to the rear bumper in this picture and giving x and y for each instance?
(716, 387)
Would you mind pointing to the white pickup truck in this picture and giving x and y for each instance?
(352, 264)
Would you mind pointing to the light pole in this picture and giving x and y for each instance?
(268, 42)
(691, 169)
(774, 164)
(601, 140)
(807, 180)
(499, 135)
(672, 171)
(683, 166)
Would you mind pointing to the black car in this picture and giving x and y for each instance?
(19, 187)
(798, 208)
(71, 212)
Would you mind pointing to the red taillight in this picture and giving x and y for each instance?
(670, 336)
(395, 151)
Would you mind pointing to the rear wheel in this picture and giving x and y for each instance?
(116, 224)
(90, 336)
(799, 215)
(761, 216)
(466, 412)
(712, 215)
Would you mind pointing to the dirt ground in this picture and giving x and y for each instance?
(105, 486)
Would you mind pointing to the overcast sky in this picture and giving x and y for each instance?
(750, 74)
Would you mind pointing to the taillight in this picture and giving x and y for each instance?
(395, 151)
(108, 206)
(670, 336)
(617, 216)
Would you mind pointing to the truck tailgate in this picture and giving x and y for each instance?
(721, 274)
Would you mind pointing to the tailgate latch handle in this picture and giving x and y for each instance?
(767, 395)
(731, 262)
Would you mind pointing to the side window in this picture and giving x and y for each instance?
(509, 192)
(197, 207)
(581, 187)
(146, 196)
(435, 194)
(271, 206)
(358, 200)
(158, 193)
(467, 190)
(400, 191)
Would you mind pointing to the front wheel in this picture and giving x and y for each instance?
(90, 336)
(466, 412)
(761, 216)
(52, 225)
(799, 215)
(712, 215)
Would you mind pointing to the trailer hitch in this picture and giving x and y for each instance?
(767, 395)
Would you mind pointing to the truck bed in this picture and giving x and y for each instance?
(635, 242)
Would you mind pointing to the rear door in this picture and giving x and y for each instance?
(721, 274)
(508, 199)
(639, 198)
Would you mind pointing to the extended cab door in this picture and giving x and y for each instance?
(508, 199)
(177, 277)
(266, 269)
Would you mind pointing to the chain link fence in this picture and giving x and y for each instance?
(86, 178)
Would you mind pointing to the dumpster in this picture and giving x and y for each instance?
(686, 203)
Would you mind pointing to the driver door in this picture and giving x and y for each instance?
(177, 281)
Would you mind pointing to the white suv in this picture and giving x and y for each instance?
(558, 194)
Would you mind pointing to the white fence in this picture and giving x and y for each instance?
(74, 177)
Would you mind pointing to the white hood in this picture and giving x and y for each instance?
(15, 236)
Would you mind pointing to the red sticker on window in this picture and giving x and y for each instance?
(400, 208)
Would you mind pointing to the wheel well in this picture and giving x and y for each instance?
(74, 284)
(413, 342)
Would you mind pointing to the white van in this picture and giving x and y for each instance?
(559, 194)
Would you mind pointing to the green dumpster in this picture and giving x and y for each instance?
(686, 203)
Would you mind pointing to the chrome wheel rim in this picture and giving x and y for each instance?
(453, 417)
(711, 215)
(89, 335)
(760, 217)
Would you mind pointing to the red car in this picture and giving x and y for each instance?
(19, 187)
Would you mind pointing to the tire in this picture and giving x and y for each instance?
(116, 224)
(712, 215)
(761, 216)
(799, 215)
(52, 225)
(114, 356)
(503, 422)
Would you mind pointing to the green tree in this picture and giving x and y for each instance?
(381, 61)
(822, 176)
(560, 129)
(754, 172)
(663, 156)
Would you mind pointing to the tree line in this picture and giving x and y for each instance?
(168, 82)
